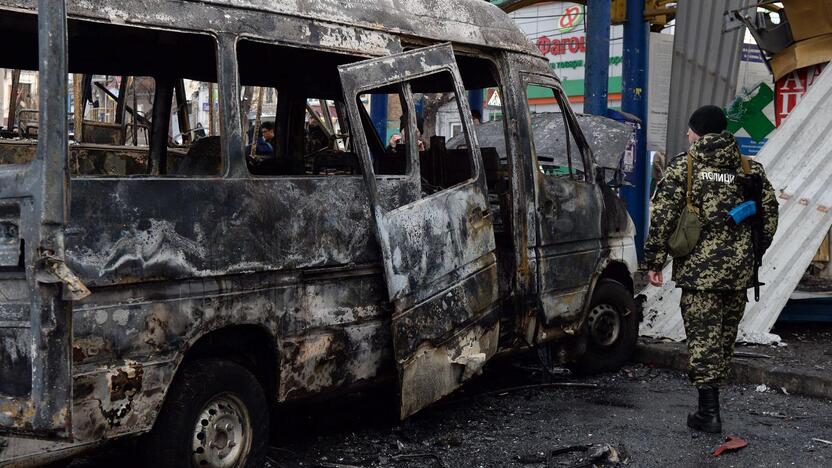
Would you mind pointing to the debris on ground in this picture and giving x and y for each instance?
(448, 441)
(822, 441)
(597, 455)
(561, 423)
(571, 448)
(762, 388)
(776, 414)
(532, 458)
(732, 442)
(749, 354)
(418, 456)
(605, 452)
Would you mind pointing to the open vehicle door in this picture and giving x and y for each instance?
(438, 251)
(569, 205)
(35, 315)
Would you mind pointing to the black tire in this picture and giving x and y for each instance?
(607, 350)
(211, 393)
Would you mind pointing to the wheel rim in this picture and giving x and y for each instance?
(222, 433)
(604, 325)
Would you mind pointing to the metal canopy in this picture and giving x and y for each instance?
(706, 62)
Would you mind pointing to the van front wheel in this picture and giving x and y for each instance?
(215, 416)
(611, 329)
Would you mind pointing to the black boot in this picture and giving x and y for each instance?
(707, 419)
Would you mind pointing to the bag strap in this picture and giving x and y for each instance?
(746, 165)
(688, 192)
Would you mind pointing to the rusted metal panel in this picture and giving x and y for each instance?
(333, 332)
(607, 138)
(338, 336)
(438, 252)
(103, 133)
(238, 226)
(13, 100)
(461, 21)
(37, 400)
(24, 452)
(229, 17)
(89, 159)
(17, 151)
(360, 28)
(568, 216)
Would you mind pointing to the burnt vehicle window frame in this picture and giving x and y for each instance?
(572, 126)
(409, 176)
(217, 71)
(408, 100)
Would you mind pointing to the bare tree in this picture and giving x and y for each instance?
(432, 103)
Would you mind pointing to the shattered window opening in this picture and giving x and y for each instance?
(442, 166)
(552, 131)
(310, 130)
(118, 82)
(391, 148)
(492, 135)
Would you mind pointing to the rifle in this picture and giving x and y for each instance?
(752, 211)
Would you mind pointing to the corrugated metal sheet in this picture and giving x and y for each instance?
(798, 161)
(706, 62)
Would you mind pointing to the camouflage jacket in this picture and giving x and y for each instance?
(723, 258)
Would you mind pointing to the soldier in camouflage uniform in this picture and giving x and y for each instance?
(716, 274)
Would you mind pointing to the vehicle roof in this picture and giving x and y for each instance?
(462, 21)
(473, 22)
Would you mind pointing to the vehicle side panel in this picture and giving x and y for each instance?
(159, 285)
(134, 230)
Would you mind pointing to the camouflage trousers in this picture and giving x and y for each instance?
(711, 322)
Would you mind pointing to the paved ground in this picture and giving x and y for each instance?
(808, 347)
(639, 411)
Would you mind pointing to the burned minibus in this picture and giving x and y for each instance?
(201, 216)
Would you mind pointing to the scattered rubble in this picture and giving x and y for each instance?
(748, 354)
(546, 426)
(597, 455)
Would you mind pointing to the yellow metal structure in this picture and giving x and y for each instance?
(659, 13)
(618, 11)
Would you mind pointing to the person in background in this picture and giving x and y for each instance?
(316, 138)
(716, 273)
(265, 141)
(400, 138)
(199, 132)
(657, 173)
(267, 136)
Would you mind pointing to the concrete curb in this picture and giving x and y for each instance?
(745, 372)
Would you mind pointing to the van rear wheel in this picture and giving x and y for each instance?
(215, 416)
(611, 329)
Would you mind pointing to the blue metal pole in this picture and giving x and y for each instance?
(420, 107)
(475, 98)
(378, 114)
(596, 73)
(634, 101)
